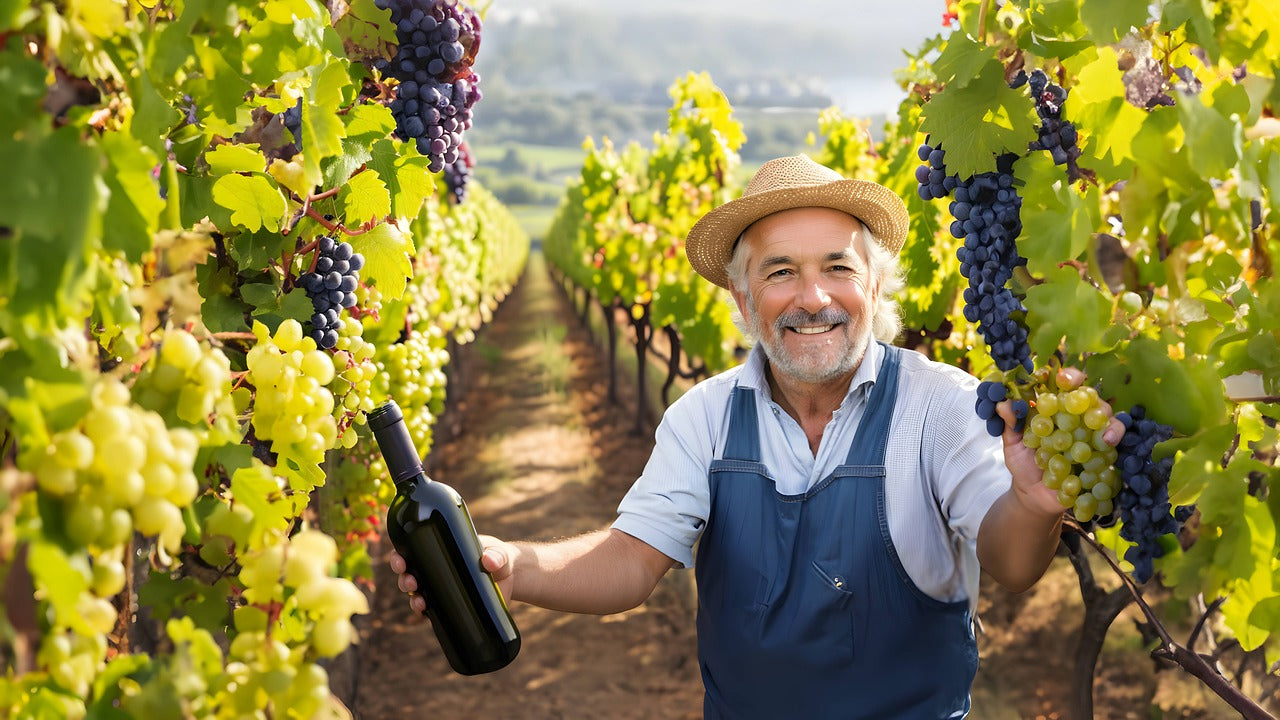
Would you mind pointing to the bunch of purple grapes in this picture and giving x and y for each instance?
(990, 394)
(331, 287)
(438, 41)
(1056, 135)
(1143, 501)
(987, 216)
(457, 173)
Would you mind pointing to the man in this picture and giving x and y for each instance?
(840, 492)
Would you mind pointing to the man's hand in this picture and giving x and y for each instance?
(1021, 460)
(496, 560)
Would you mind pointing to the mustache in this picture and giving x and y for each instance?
(825, 316)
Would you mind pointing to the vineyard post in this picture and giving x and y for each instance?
(643, 336)
(610, 323)
(673, 361)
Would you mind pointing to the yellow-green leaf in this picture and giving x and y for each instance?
(365, 197)
(228, 158)
(387, 253)
(253, 201)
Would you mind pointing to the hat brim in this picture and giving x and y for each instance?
(709, 245)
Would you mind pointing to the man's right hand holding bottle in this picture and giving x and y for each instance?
(494, 560)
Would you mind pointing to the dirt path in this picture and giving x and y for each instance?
(539, 456)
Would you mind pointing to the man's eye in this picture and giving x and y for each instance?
(779, 273)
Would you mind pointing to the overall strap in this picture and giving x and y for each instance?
(744, 429)
(872, 437)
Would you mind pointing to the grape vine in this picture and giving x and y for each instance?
(230, 236)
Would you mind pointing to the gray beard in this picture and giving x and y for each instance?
(806, 369)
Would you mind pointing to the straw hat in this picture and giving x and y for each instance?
(783, 184)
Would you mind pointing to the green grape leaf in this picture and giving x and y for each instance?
(23, 79)
(979, 121)
(134, 204)
(253, 200)
(962, 60)
(1057, 222)
(406, 177)
(387, 252)
(1211, 143)
(221, 310)
(58, 582)
(1066, 311)
(261, 295)
(322, 128)
(1056, 18)
(1245, 551)
(261, 492)
(365, 198)
(368, 29)
(230, 158)
(1110, 21)
(1196, 17)
(1186, 393)
(256, 250)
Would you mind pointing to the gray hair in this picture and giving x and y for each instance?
(884, 267)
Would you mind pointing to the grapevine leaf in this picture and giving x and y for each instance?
(23, 79)
(59, 582)
(1056, 221)
(261, 492)
(255, 251)
(406, 177)
(1056, 18)
(962, 60)
(1246, 550)
(387, 253)
(231, 158)
(1196, 17)
(134, 204)
(367, 28)
(261, 296)
(1212, 143)
(365, 197)
(253, 201)
(1186, 394)
(1069, 312)
(1110, 21)
(979, 121)
(290, 174)
(322, 128)
(1199, 464)
(1097, 104)
(221, 309)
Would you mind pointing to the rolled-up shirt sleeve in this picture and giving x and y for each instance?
(667, 507)
(969, 469)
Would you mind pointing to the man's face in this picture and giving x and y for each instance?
(809, 296)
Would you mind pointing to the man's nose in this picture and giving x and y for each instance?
(813, 297)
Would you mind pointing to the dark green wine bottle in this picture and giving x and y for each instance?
(430, 527)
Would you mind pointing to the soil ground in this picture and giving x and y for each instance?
(539, 453)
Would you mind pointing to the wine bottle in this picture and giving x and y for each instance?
(430, 527)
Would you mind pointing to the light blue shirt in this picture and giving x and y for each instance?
(943, 470)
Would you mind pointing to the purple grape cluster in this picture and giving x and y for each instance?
(331, 287)
(438, 41)
(990, 394)
(1056, 135)
(1143, 502)
(458, 173)
(932, 180)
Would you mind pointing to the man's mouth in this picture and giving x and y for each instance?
(813, 329)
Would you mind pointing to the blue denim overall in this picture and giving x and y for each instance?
(804, 609)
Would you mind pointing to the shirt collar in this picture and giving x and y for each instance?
(753, 377)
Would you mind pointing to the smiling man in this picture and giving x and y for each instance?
(840, 493)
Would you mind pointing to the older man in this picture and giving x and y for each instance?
(840, 492)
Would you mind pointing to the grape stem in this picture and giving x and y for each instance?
(339, 227)
(1170, 650)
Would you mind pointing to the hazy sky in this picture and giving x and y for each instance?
(873, 32)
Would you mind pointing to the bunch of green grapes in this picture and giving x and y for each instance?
(120, 469)
(189, 383)
(1065, 429)
(73, 662)
(293, 408)
(368, 307)
(352, 383)
(412, 372)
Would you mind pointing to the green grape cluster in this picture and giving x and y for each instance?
(293, 408)
(120, 469)
(73, 661)
(297, 574)
(1065, 429)
(190, 384)
(352, 383)
(412, 372)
